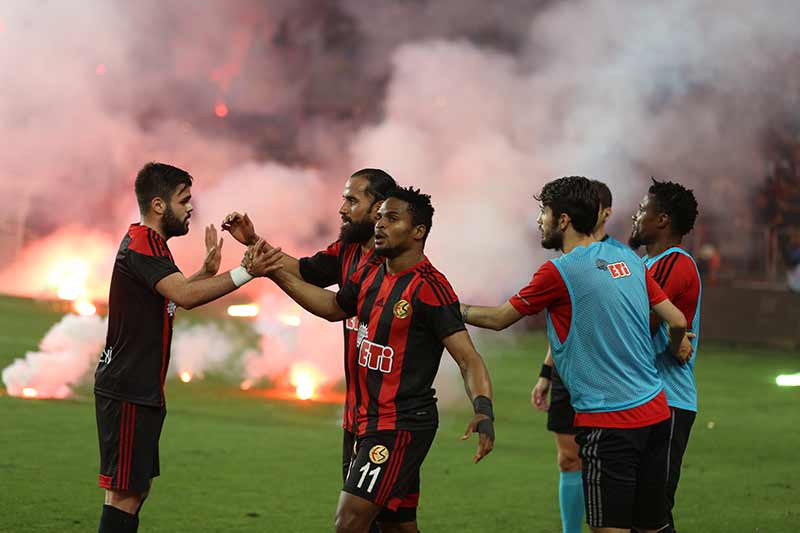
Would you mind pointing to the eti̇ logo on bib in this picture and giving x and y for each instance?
(378, 454)
(619, 270)
(401, 309)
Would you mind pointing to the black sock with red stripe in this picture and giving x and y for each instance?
(115, 520)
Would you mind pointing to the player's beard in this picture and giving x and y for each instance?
(389, 253)
(554, 239)
(636, 239)
(172, 225)
(357, 232)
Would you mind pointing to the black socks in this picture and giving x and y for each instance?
(115, 520)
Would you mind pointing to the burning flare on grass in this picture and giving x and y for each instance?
(186, 377)
(68, 278)
(243, 310)
(305, 378)
(788, 380)
(290, 319)
(84, 308)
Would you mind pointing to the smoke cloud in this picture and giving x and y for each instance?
(271, 106)
(66, 354)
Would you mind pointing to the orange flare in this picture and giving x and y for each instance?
(220, 109)
(244, 310)
(84, 308)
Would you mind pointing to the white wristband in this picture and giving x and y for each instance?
(240, 276)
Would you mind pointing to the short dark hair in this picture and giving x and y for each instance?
(419, 205)
(603, 194)
(676, 201)
(380, 182)
(577, 197)
(158, 180)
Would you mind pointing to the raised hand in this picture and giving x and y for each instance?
(264, 259)
(213, 252)
(241, 227)
(484, 427)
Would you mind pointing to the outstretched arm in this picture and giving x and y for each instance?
(496, 318)
(191, 293)
(479, 390)
(242, 229)
(313, 299)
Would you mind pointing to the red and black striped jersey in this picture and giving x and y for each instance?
(677, 275)
(335, 265)
(133, 365)
(402, 320)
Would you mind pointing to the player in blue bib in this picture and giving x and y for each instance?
(598, 298)
(667, 213)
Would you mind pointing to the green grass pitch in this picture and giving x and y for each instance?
(235, 463)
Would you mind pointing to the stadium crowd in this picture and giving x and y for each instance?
(778, 205)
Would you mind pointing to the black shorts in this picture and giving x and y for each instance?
(385, 471)
(680, 426)
(624, 475)
(128, 435)
(560, 415)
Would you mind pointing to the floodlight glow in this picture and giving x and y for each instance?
(788, 380)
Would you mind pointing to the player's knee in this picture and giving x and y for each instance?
(127, 501)
(568, 461)
(348, 521)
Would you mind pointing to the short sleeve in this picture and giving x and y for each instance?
(654, 292)
(546, 288)
(150, 269)
(347, 297)
(439, 306)
(322, 269)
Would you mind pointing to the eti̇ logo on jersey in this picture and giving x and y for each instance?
(375, 356)
(619, 270)
(378, 454)
(401, 309)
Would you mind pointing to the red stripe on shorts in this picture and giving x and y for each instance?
(398, 451)
(122, 440)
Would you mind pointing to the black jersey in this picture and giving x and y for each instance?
(133, 365)
(334, 266)
(403, 319)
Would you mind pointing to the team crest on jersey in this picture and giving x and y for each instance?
(401, 309)
(171, 308)
(619, 270)
(379, 454)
